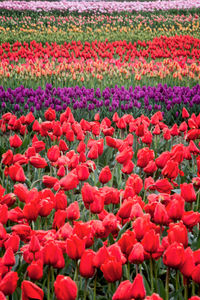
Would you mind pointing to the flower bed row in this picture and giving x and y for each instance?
(149, 99)
(99, 73)
(163, 47)
(62, 27)
(100, 208)
(101, 7)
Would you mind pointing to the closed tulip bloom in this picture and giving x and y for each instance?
(3, 213)
(188, 192)
(190, 219)
(125, 209)
(170, 170)
(112, 269)
(174, 255)
(8, 283)
(35, 270)
(124, 155)
(15, 141)
(141, 225)
(31, 291)
(127, 241)
(163, 186)
(196, 274)
(8, 259)
(16, 173)
(105, 175)
(150, 168)
(31, 210)
(123, 291)
(38, 162)
(72, 211)
(185, 113)
(53, 153)
(34, 245)
(12, 241)
(136, 255)
(144, 156)
(138, 289)
(50, 114)
(69, 182)
(188, 263)
(150, 241)
(175, 208)
(75, 247)
(82, 172)
(93, 152)
(60, 200)
(49, 181)
(101, 256)
(136, 182)
(65, 288)
(160, 214)
(178, 233)
(51, 253)
(162, 159)
(59, 218)
(7, 158)
(86, 267)
(128, 167)
(21, 192)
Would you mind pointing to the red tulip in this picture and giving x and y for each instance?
(75, 247)
(138, 289)
(15, 141)
(65, 288)
(69, 182)
(174, 255)
(124, 291)
(86, 267)
(188, 192)
(150, 241)
(31, 291)
(8, 283)
(38, 162)
(112, 269)
(136, 255)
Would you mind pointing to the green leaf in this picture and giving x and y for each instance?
(122, 230)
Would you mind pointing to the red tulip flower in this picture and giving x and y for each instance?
(65, 288)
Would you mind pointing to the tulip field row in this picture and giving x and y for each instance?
(100, 6)
(65, 26)
(99, 150)
(141, 99)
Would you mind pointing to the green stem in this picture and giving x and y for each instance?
(177, 280)
(52, 277)
(76, 272)
(95, 286)
(151, 274)
(193, 288)
(48, 283)
(109, 289)
(128, 270)
(167, 284)
(136, 268)
(85, 290)
(186, 290)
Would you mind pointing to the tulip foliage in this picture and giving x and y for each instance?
(99, 208)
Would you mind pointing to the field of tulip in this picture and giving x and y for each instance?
(113, 203)
(100, 150)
